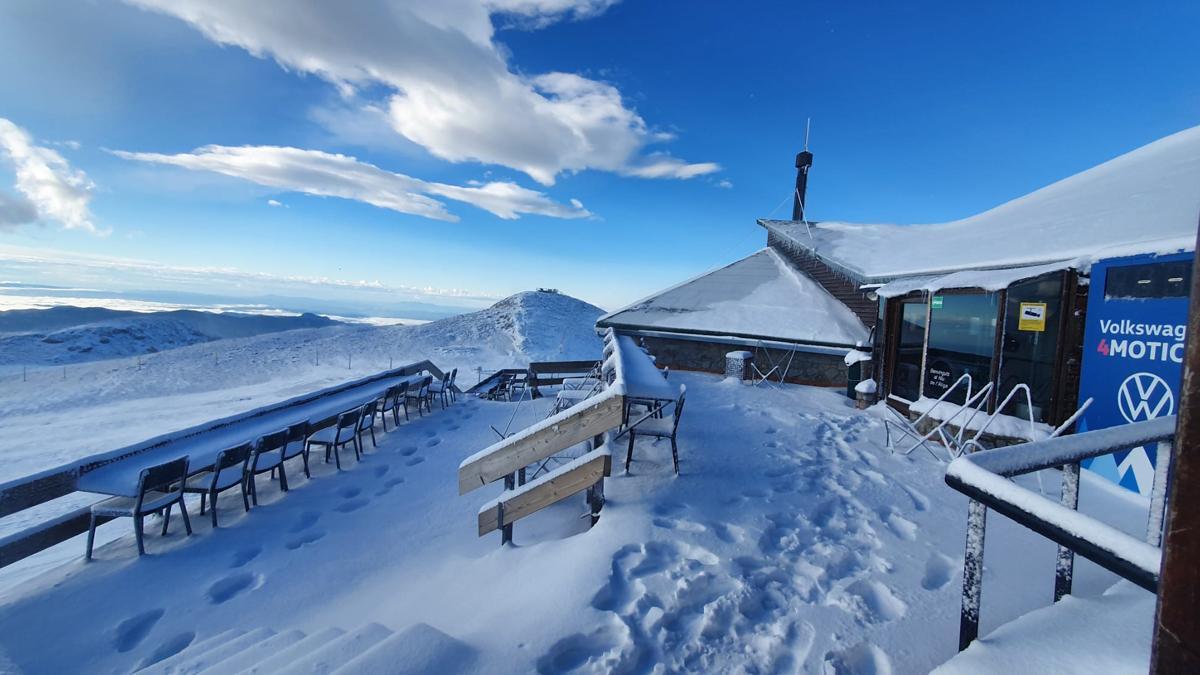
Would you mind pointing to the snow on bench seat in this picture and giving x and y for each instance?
(537, 494)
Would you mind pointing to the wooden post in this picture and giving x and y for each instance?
(506, 529)
(1176, 647)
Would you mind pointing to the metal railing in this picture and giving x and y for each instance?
(985, 478)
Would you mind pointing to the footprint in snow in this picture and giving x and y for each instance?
(939, 570)
(381, 471)
(863, 658)
(408, 450)
(351, 505)
(415, 461)
(304, 539)
(240, 558)
(130, 632)
(349, 492)
(306, 520)
(227, 588)
(433, 443)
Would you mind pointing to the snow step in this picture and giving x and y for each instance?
(420, 648)
(255, 653)
(167, 664)
(338, 652)
(210, 657)
(295, 652)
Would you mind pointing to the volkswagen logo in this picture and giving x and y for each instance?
(1145, 396)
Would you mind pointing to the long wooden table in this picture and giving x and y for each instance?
(121, 477)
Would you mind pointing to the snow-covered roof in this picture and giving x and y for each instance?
(1146, 201)
(760, 296)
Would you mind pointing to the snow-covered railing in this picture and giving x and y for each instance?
(507, 459)
(30, 491)
(985, 478)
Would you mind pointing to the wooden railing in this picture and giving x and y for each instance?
(589, 421)
(24, 493)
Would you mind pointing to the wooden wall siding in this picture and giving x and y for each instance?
(839, 286)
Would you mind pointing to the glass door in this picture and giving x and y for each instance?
(910, 345)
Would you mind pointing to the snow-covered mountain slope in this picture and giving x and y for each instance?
(62, 335)
(104, 405)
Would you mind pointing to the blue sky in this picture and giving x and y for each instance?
(672, 126)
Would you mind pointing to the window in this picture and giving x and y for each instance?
(1031, 326)
(962, 339)
(1151, 280)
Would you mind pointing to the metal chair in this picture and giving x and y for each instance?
(389, 402)
(366, 423)
(659, 427)
(159, 487)
(267, 458)
(453, 379)
(341, 434)
(229, 470)
(441, 389)
(297, 444)
(420, 394)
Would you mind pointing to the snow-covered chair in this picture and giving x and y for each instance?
(390, 403)
(228, 471)
(366, 424)
(297, 444)
(453, 379)
(267, 457)
(419, 394)
(159, 488)
(659, 427)
(440, 389)
(333, 438)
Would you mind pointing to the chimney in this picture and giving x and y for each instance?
(803, 161)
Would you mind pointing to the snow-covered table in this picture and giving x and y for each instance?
(121, 477)
(642, 379)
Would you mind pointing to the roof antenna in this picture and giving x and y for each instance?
(807, 127)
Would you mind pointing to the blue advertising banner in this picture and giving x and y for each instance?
(1133, 353)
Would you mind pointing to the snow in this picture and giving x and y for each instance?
(64, 334)
(791, 541)
(855, 356)
(1145, 201)
(866, 387)
(988, 280)
(760, 296)
(1107, 634)
(636, 371)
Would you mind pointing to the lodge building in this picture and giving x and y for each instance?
(1076, 291)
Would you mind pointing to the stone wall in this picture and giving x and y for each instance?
(823, 370)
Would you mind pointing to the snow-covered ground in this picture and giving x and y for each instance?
(791, 541)
(94, 407)
(66, 334)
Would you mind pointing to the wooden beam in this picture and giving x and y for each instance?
(44, 535)
(574, 425)
(1176, 645)
(549, 489)
(23, 493)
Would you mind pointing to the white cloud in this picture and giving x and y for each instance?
(334, 175)
(725, 183)
(47, 183)
(274, 202)
(449, 86)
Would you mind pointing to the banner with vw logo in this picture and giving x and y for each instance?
(1133, 354)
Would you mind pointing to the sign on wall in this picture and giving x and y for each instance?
(1133, 354)
(1032, 317)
